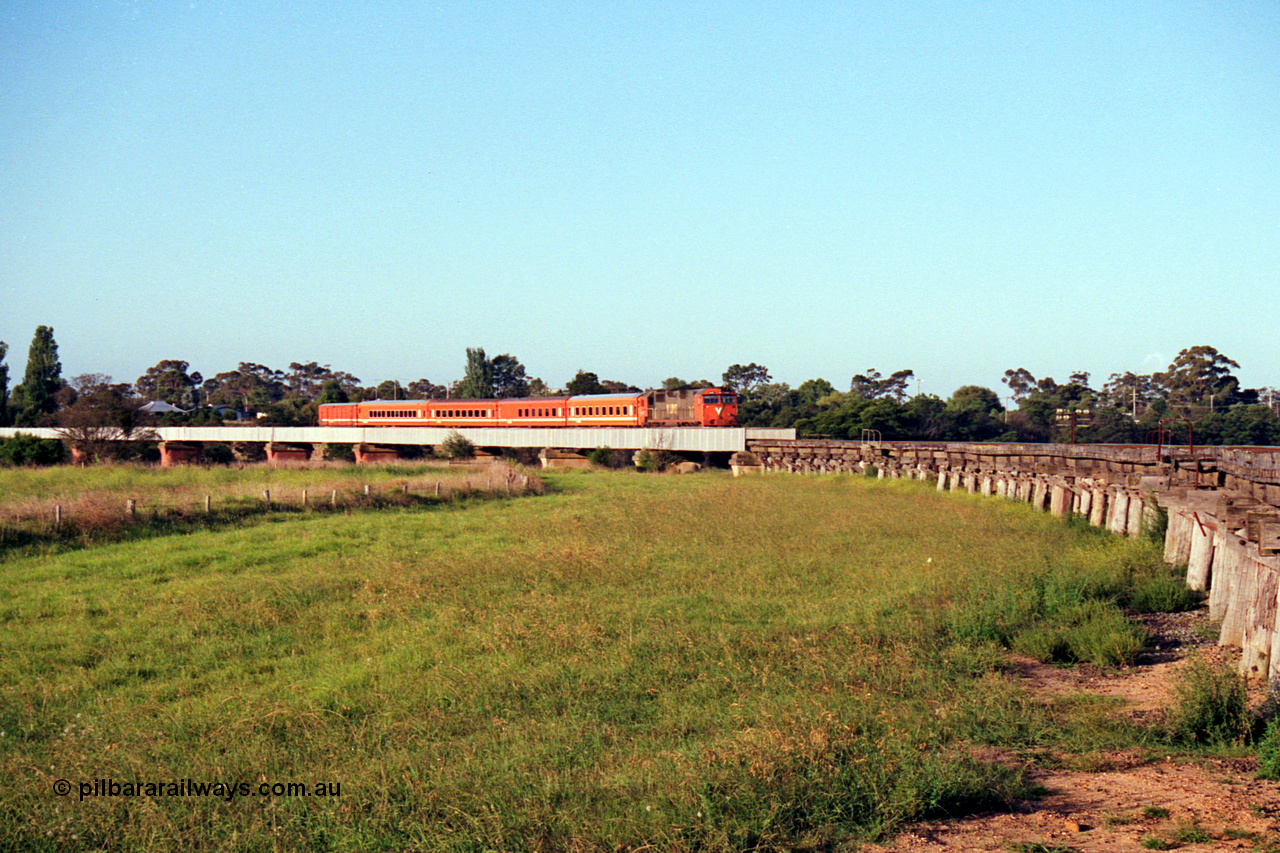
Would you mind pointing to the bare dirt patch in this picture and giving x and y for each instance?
(1125, 801)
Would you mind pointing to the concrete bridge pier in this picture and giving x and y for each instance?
(292, 452)
(179, 452)
(370, 454)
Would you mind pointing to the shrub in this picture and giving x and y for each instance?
(25, 449)
(339, 453)
(1163, 594)
(607, 457)
(457, 446)
(1210, 706)
(656, 460)
(1269, 751)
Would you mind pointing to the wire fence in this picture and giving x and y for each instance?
(104, 514)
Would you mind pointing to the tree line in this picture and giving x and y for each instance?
(1196, 398)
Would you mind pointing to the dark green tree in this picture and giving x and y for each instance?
(871, 386)
(42, 380)
(509, 378)
(1130, 392)
(249, 385)
(169, 381)
(584, 382)
(307, 380)
(390, 390)
(1199, 376)
(746, 379)
(331, 391)
(1020, 382)
(973, 414)
(477, 381)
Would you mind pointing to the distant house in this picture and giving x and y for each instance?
(159, 407)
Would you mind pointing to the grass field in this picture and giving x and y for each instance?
(687, 663)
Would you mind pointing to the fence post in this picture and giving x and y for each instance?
(304, 498)
(57, 516)
(131, 509)
(333, 499)
(266, 497)
(208, 504)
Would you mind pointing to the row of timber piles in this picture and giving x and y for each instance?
(1222, 506)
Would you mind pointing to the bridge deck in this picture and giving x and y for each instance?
(705, 439)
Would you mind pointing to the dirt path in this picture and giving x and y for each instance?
(1130, 801)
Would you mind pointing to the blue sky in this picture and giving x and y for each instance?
(642, 190)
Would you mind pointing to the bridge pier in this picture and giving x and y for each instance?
(550, 457)
(179, 452)
(369, 454)
(292, 452)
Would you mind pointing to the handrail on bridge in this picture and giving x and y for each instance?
(1191, 443)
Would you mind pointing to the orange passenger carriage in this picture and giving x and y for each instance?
(684, 407)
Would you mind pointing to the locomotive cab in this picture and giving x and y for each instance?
(716, 407)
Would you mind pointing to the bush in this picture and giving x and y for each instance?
(339, 453)
(1163, 594)
(456, 446)
(25, 449)
(607, 457)
(1269, 751)
(656, 460)
(218, 453)
(1210, 706)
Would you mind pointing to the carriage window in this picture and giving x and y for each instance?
(711, 399)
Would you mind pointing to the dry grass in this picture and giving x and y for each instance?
(68, 504)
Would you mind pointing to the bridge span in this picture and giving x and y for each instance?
(184, 443)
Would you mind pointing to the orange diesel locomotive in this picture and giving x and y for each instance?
(687, 407)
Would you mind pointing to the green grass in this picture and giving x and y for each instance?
(115, 502)
(691, 663)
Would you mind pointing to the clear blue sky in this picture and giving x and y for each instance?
(642, 189)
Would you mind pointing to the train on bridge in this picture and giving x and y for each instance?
(700, 407)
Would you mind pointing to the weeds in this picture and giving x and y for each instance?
(1192, 833)
(1269, 751)
(1210, 706)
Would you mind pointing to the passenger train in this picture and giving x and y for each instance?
(705, 407)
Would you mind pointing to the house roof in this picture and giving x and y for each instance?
(159, 407)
